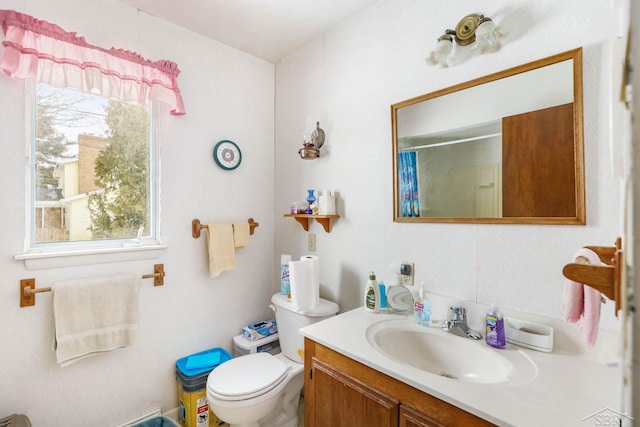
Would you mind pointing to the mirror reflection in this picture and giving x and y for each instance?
(505, 148)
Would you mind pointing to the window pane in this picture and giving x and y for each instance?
(92, 168)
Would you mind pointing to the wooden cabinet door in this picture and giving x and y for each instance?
(339, 400)
(342, 392)
(538, 164)
(412, 418)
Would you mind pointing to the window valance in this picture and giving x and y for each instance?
(37, 49)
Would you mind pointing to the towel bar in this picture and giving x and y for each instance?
(196, 226)
(28, 288)
(605, 278)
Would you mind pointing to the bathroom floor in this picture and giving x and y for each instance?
(300, 414)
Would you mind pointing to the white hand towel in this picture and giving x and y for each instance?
(94, 315)
(221, 248)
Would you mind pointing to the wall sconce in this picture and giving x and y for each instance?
(474, 34)
(311, 148)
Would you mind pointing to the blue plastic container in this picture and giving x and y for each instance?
(204, 361)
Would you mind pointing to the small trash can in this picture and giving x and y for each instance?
(191, 375)
(160, 421)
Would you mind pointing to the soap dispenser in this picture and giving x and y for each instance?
(495, 329)
(422, 308)
(372, 294)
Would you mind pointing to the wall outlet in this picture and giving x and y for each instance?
(407, 273)
(312, 242)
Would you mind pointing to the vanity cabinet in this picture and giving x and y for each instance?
(341, 392)
(412, 418)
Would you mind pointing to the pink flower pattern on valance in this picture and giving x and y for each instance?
(36, 49)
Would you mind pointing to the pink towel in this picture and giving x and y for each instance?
(581, 303)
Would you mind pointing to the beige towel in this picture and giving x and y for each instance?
(94, 315)
(221, 248)
(241, 234)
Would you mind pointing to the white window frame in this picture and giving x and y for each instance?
(65, 254)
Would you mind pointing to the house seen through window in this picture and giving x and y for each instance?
(93, 169)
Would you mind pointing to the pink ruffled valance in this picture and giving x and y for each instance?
(38, 49)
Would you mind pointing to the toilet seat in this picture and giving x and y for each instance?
(246, 377)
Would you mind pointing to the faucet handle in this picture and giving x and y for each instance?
(459, 314)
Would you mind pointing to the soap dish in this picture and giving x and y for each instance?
(528, 334)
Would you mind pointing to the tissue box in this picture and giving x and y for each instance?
(259, 330)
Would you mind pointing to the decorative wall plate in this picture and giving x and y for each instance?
(227, 154)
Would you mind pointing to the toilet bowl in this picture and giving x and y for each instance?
(261, 389)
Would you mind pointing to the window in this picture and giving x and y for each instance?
(92, 163)
(93, 172)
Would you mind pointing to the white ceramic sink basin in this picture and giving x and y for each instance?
(440, 353)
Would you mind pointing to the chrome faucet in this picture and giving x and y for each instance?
(457, 325)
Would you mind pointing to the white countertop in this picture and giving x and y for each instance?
(567, 386)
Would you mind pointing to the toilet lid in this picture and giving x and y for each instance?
(247, 376)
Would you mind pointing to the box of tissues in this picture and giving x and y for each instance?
(259, 330)
(327, 203)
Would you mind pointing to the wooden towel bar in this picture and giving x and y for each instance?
(605, 278)
(28, 288)
(196, 227)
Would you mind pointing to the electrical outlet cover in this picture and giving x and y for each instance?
(407, 271)
(312, 242)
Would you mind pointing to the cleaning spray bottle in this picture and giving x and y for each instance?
(285, 283)
(422, 308)
(372, 294)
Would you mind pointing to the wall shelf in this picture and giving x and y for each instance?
(303, 219)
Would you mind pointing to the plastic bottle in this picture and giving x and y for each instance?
(372, 294)
(495, 329)
(285, 284)
(422, 308)
(383, 296)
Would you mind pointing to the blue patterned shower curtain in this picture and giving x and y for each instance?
(409, 194)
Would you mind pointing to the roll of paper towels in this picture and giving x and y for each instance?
(316, 269)
(304, 276)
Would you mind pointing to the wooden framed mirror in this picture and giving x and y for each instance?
(507, 148)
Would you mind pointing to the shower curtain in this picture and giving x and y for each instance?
(409, 194)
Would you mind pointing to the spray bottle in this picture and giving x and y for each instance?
(422, 308)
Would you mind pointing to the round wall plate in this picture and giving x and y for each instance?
(227, 154)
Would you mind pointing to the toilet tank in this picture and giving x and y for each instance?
(290, 321)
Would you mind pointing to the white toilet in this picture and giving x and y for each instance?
(262, 390)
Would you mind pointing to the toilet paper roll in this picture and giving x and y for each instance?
(305, 289)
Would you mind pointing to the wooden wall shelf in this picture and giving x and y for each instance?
(303, 219)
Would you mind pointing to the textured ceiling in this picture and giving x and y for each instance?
(268, 29)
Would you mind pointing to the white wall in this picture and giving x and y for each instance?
(228, 95)
(348, 79)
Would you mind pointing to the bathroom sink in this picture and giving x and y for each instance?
(439, 353)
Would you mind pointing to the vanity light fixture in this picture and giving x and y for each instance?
(474, 34)
(311, 148)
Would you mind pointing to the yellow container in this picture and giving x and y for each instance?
(194, 408)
